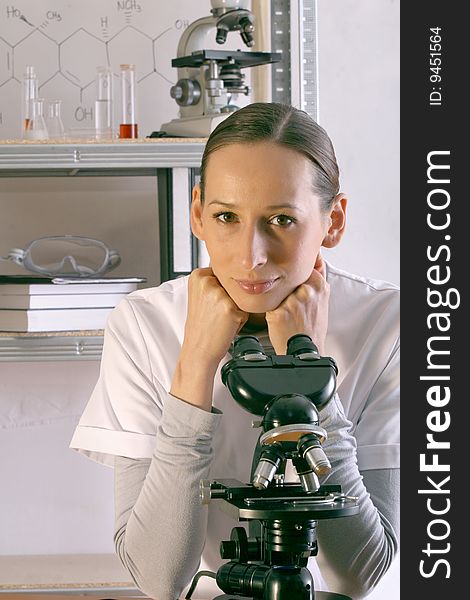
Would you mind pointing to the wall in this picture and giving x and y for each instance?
(359, 90)
(66, 42)
(57, 501)
(359, 87)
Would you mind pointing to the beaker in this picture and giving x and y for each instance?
(128, 125)
(29, 91)
(104, 103)
(37, 129)
(55, 126)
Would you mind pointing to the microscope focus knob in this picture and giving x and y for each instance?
(239, 547)
(205, 492)
(186, 92)
(228, 549)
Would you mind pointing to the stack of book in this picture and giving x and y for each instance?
(32, 304)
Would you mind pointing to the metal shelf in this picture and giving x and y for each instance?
(78, 158)
(51, 346)
(154, 157)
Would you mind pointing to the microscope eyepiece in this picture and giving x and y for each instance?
(301, 344)
(247, 344)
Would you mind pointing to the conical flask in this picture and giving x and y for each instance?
(55, 126)
(37, 129)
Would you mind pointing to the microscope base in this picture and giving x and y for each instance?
(318, 596)
(199, 126)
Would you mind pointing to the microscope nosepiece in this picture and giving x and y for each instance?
(307, 476)
(221, 35)
(246, 31)
(317, 459)
(264, 474)
(270, 459)
(248, 39)
(309, 482)
(310, 449)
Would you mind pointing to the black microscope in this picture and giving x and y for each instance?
(287, 391)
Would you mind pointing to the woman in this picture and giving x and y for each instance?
(268, 200)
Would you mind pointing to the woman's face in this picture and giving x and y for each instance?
(261, 222)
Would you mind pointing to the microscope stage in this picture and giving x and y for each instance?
(244, 59)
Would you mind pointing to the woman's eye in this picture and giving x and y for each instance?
(282, 220)
(225, 217)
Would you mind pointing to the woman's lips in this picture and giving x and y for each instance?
(256, 287)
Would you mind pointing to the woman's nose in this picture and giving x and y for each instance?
(253, 248)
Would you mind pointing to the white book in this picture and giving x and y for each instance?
(60, 319)
(22, 301)
(19, 285)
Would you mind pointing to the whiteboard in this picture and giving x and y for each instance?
(67, 41)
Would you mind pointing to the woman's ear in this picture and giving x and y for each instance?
(196, 212)
(337, 222)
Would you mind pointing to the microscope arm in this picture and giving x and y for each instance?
(194, 36)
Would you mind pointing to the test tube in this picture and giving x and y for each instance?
(29, 91)
(104, 103)
(128, 125)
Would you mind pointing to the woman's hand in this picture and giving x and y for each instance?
(213, 318)
(305, 310)
(212, 322)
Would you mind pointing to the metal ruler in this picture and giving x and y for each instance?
(294, 35)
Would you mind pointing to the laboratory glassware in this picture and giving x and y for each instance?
(37, 129)
(104, 103)
(29, 91)
(128, 126)
(54, 123)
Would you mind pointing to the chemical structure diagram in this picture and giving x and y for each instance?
(66, 64)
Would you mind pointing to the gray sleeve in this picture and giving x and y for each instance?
(357, 550)
(160, 523)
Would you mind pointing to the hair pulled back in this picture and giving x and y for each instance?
(284, 125)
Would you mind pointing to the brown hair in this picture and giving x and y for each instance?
(285, 125)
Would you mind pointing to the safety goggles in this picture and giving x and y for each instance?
(65, 256)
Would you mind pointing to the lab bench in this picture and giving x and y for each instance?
(82, 574)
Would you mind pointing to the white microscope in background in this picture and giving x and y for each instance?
(209, 79)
